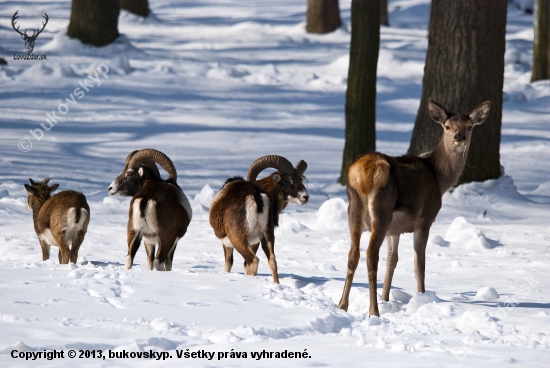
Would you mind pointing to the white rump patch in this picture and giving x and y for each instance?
(256, 222)
(148, 225)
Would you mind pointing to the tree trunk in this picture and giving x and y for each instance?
(384, 13)
(323, 16)
(139, 7)
(94, 21)
(541, 44)
(361, 92)
(464, 67)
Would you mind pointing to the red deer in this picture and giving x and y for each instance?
(390, 196)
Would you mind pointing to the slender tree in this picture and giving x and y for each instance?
(384, 13)
(323, 16)
(464, 67)
(541, 44)
(94, 21)
(139, 7)
(361, 92)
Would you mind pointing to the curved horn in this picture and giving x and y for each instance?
(150, 154)
(301, 167)
(278, 162)
(145, 161)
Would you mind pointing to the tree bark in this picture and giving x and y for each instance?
(464, 67)
(94, 21)
(323, 16)
(361, 92)
(541, 44)
(139, 7)
(384, 19)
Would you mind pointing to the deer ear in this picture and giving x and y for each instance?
(480, 113)
(53, 188)
(437, 112)
(277, 178)
(30, 190)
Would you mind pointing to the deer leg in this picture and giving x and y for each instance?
(78, 238)
(420, 242)
(134, 241)
(355, 220)
(381, 218)
(391, 262)
(228, 254)
(150, 250)
(268, 245)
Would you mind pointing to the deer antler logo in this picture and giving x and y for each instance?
(29, 40)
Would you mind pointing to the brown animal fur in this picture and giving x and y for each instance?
(61, 220)
(393, 195)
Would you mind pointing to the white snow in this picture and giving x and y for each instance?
(215, 84)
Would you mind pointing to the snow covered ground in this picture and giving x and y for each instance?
(216, 84)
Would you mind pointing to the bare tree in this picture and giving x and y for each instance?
(384, 19)
(139, 7)
(323, 16)
(465, 66)
(361, 92)
(541, 44)
(94, 21)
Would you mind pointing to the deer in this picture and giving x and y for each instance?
(391, 195)
(29, 40)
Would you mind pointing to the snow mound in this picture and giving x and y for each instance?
(542, 189)
(487, 293)
(497, 191)
(464, 234)
(476, 320)
(288, 224)
(419, 300)
(341, 246)
(62, 44)
(205, 196)
(333, 214)
(400, 296)
(120, 64)
(437, 240)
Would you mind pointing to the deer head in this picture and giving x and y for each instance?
(29, 40)
(457, 128)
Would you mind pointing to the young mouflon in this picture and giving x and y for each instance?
(390, 196)
(61, 220)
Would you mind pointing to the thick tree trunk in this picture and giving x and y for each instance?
(139, 7)
(361, 92)
(94, 21)
(323, 16)
(464, 67)
(541, 44)
(384, 13)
